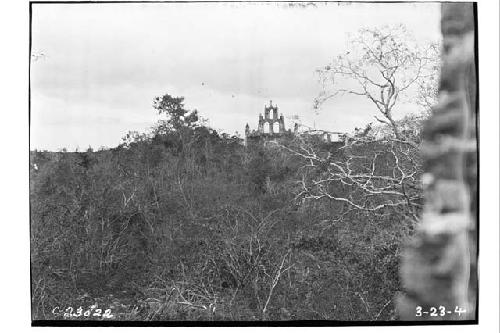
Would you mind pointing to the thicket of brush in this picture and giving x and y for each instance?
(189, 224)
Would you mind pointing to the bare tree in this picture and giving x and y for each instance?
(427, 87)
(382, 65)
(374, 174)
(366, 175)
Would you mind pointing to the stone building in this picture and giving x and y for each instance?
(270, 125)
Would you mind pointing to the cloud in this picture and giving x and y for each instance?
(104, 63)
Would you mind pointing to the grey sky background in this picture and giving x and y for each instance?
(100, 65)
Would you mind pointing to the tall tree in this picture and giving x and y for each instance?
(383, 65)
(174, 109)
(372, 174)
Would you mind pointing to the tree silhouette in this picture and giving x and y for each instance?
(381, 64)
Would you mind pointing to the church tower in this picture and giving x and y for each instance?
(271, 125)
(266, 123)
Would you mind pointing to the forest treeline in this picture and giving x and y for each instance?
(184, 223)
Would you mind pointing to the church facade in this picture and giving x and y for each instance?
(270, 125)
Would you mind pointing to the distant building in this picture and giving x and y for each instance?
(272, 127)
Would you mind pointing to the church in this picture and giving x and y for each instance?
(273, 127)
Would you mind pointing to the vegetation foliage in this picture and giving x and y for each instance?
(191, 224)
(184, 223)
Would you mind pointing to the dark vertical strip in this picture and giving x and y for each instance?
(476, 60)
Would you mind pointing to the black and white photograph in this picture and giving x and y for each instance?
(254, 163)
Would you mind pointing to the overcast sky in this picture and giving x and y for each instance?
(98, 66)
